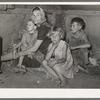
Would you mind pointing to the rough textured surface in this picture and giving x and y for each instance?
(36, 79)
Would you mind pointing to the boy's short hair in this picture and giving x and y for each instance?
(80, 21)
(41, 11)
(56, 29)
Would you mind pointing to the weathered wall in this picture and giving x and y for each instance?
(10, 24)
(92, 20)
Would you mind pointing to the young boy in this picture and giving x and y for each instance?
(79, 43)
(58, 60)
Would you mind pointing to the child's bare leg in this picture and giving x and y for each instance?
(62, 78)
(20, 61)
(49, 69)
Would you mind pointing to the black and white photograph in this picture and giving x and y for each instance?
(50, 46)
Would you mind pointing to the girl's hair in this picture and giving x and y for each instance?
(80, 21)
(56, 29)
(41, 12)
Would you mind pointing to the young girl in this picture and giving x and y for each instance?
(58, 60)
(28, 39)
(79, 43)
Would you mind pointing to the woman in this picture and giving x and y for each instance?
(42, 42)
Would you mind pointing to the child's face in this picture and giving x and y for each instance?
(36, 17)
(55, 37)
(30, 26)
(75, 27)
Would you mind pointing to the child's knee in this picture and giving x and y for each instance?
(57, 67)
(44, 62)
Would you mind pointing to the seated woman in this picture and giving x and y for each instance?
(28, 39)
(58, 60)
(39, 49)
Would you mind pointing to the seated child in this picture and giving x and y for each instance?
(28, 39)
(79, 43)
(58, 60)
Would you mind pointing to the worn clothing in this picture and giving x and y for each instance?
(65, 68)
(80, 55)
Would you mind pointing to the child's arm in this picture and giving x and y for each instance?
(79, 47)
(50, 52)
(85, 45)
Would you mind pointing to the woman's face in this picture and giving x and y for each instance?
(75, 27)
(36, 17)
(30, 26)
(55, 37)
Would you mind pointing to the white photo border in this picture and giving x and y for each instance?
(44, 92)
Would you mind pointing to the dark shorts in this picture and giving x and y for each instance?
(32, 63)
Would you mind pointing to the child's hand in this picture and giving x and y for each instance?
(15, 54)
(51, 63)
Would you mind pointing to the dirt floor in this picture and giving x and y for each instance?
(36, 79)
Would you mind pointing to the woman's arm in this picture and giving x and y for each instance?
(32, 49)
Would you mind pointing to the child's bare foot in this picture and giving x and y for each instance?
(19, 69)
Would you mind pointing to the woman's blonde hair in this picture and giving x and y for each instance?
(41, 12)
(56, 29)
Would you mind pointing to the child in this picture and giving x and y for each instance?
(79, 43)
(28, 39)
(58, 60)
